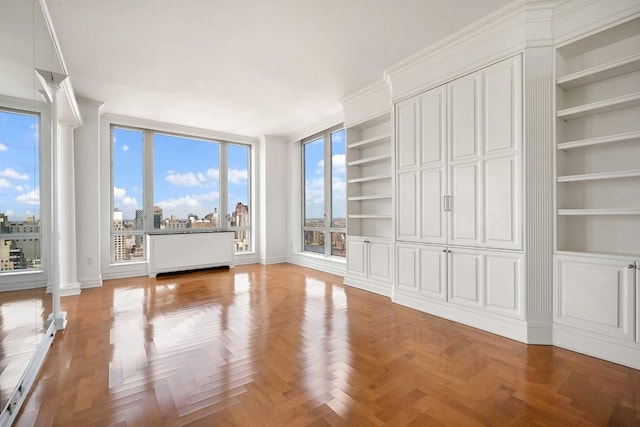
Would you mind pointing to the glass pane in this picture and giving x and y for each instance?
(128, 247)
(238, 185)
(19, 191)
(339, 244)
(20, 253)
(338, 181)
(314, 183)
(186, 183)
(242, 240)
(314, 241)
(127, 179)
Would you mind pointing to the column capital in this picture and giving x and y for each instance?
(51, 82)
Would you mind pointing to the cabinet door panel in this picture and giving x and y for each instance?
(503, 283)
(465, 278)
(595, 295)
(407, 268)
(433, 273)
(356, 261)
(463, 102)
(380, 261)
(433, 127)
(465, 206)
(407, 133)
(433, 218)
(502, 105)
(501, 207)
(407, 206)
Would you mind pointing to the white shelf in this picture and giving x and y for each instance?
(370, 142)
(584, 212)
(608, 139)
(620, 102)
(372, 159)
(597, 176)
(600, 72)
(368, 179)
(369, 216)
(359, 198)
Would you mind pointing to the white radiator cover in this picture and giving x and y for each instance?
(188, 251)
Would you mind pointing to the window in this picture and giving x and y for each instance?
(19, 191)
(189, 183)
(324, 213)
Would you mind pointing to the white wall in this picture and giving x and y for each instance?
(87, 181)
(272, 184)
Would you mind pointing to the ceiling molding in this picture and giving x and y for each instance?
(319, 126)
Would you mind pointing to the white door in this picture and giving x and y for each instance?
(356, 261)
(501, 147)
(407, 133)
(407, 268)
(465, 277)
(465, 169)
(407, 208)
(595, 295)
(433, 272)
(503, 283)
(433, 163)
(380, 260)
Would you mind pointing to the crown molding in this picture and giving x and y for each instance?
(369, 102)
(177, 129)
(316, 127)
(520, 24)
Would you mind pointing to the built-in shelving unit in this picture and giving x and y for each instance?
(369, 178)
(598, 142)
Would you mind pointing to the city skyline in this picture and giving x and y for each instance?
(185, 181)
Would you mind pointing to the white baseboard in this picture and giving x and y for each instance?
(273, 260)
(90, 283)
(627, 354)
(510, 328)
(367, 285)
(318, 263)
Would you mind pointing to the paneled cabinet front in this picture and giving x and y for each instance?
(369, 258)
(597, 295)
(459, 163)
(490, 281)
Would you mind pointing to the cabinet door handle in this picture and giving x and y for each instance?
(631, 266)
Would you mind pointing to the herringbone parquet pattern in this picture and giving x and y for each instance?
(287, 346)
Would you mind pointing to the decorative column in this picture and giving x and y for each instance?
(51, 83)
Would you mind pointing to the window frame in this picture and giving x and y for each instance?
(148, 186)
(43, 206)
(327, 229)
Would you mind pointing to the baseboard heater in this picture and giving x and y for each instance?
(189, 251)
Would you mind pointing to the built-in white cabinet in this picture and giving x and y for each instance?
(369, 263)
(598, 295)
(596, 291)
(370, 195)
(476, 279)
(458, 161)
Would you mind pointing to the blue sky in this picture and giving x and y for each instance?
(314, 177)
(19, 171)
(186, 174)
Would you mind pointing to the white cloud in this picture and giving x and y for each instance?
(213, 174)
(9, 212)
(3, 147)
(125, 147)
(30, 198)
(4, 183)
(238, 176)
(119, 193)
(188, 179)
(130, 202)
(19, 188)
(10, 173)
(338, 162)
(181, 202)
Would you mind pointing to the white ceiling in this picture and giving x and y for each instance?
(251, 67)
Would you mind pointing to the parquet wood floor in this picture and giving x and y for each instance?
(283, 345)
